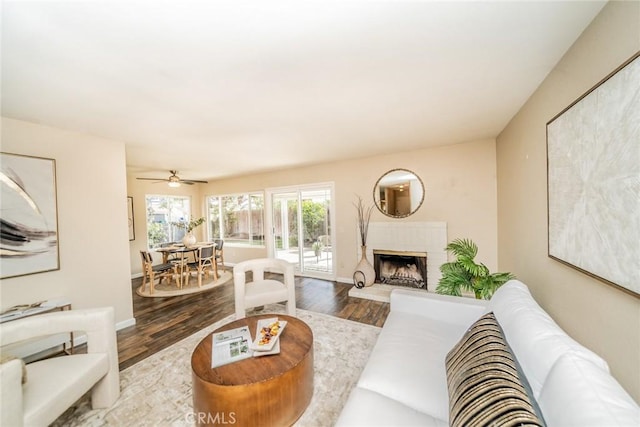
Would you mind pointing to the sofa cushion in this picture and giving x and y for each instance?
(536, 340)
(579, 393)
(485, 387)
(407, 362)
(367, 408)
(259, 291)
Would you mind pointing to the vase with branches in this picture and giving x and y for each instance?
(364, 274)
(464, 274)
(364, 217)
(189, 226)
(189, 239)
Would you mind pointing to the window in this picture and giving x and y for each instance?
(161, 212)
(237, 218)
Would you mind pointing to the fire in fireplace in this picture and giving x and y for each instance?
(401, 268)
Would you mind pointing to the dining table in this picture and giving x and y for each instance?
(182, 262)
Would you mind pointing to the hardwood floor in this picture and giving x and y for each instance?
(161, 322)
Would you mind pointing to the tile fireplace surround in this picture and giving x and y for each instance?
(429, 237)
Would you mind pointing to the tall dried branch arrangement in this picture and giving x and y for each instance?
(364, 216)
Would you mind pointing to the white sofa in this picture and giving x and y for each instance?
(405, 383)
(52, 385)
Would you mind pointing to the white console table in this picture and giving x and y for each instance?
(32, 347)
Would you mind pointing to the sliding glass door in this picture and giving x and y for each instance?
(300, 222)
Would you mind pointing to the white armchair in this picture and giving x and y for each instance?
(261, 291)
(54, 384)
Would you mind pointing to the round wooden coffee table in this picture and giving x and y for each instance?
(260, 391)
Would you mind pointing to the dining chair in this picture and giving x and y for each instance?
(261, 291)
(219, 253)
(205, 261)
(182, 262)
(150, 271)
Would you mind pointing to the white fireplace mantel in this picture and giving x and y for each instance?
(429, 237)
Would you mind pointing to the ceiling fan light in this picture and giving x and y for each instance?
(174, 184)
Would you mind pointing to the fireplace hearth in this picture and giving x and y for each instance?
(401, 268)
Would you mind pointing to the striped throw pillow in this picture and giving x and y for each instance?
(485, 387)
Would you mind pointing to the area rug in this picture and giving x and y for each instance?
(157, 390)
(169, 289)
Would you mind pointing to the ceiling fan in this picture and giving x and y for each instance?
(175, 181)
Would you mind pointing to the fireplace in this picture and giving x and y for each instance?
(401, 268)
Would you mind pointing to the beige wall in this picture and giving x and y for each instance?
(460, 186)
(602, 318)
(92, 220)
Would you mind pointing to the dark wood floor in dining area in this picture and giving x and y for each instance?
(161, 322)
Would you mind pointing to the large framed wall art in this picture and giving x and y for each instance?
(132, 231)
(28, 215)
(593, 179)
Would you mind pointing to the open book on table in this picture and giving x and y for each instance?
(230, 346)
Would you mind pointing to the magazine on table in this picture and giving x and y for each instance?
(230, 346)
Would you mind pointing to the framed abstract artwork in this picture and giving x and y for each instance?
(132, 231)
(593, 181)
(28, 215)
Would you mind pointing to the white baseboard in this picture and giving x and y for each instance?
(125, 323)
(348, 280)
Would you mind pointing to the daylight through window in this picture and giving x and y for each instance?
(161, 212)
(237, 218)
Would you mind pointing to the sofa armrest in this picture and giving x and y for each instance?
(445, 308)
(11, 393)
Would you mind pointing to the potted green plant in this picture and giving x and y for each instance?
(464, 274)
(317, 247)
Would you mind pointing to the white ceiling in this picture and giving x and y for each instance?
(223, 88)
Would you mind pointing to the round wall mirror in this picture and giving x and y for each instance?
(398, 193)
